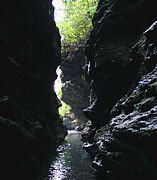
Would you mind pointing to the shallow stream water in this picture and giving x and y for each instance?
(72, 162)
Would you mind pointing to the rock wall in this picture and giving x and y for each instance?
(29, 55)
(117, 25)
(122, 135)
(75, 91)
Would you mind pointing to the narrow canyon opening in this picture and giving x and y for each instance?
(74, 20)
(78, 96)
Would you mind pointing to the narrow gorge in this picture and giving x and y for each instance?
(109, 80)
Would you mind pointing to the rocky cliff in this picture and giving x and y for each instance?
(122, 134)
(75, 89)
(29, 55)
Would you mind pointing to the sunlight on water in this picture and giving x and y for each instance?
(59, 168)
(72, 162)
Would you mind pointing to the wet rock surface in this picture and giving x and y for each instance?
(29, 55)
(121, 136)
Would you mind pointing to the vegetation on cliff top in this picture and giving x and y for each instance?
(77, 20)
(74, 28)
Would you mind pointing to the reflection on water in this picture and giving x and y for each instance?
(72, 162)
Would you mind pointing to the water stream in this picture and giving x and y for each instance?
(72, 162)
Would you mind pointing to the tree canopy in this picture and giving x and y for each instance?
(77, 20)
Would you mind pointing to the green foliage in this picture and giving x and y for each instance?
(77, 21)
(64, 109)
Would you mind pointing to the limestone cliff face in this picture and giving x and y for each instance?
(29, 55)
(122, 135)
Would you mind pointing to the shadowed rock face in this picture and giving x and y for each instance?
(29, 55)
(75, 90)
(117, 25)
(126, 146)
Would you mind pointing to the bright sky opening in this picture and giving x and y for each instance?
(59, 15)
(59, 10)
(58, 83)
